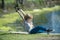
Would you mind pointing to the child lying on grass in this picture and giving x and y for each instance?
(29, 27)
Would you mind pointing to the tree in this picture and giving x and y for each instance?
(21, 2)
(18, 2)
(3, 5)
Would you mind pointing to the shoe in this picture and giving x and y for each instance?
(49, 30)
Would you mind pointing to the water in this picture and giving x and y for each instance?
(55, 21)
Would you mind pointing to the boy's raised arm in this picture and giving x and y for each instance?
(21, 14)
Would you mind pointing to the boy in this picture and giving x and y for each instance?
(29, 27)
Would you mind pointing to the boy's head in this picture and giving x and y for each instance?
(28, 17)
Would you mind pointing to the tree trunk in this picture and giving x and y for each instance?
(21, 1)
(3, 4)
(19, 4)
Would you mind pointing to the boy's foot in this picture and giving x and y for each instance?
(49, 30)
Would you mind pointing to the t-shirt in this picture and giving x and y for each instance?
(28, 26)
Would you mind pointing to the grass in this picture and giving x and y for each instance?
(9, 21)
(26, 37)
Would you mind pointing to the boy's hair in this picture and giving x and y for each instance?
(28, 16)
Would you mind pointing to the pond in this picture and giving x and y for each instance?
(53, 21)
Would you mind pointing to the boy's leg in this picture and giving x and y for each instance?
(43, 29)
(37, 29)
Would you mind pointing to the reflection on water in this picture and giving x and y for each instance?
(56, 21)
(53, 21)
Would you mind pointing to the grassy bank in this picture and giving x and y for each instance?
(29, 37)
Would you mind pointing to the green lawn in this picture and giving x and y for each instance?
(7, 19)
(28, 37)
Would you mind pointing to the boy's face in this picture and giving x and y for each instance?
(29, 20)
